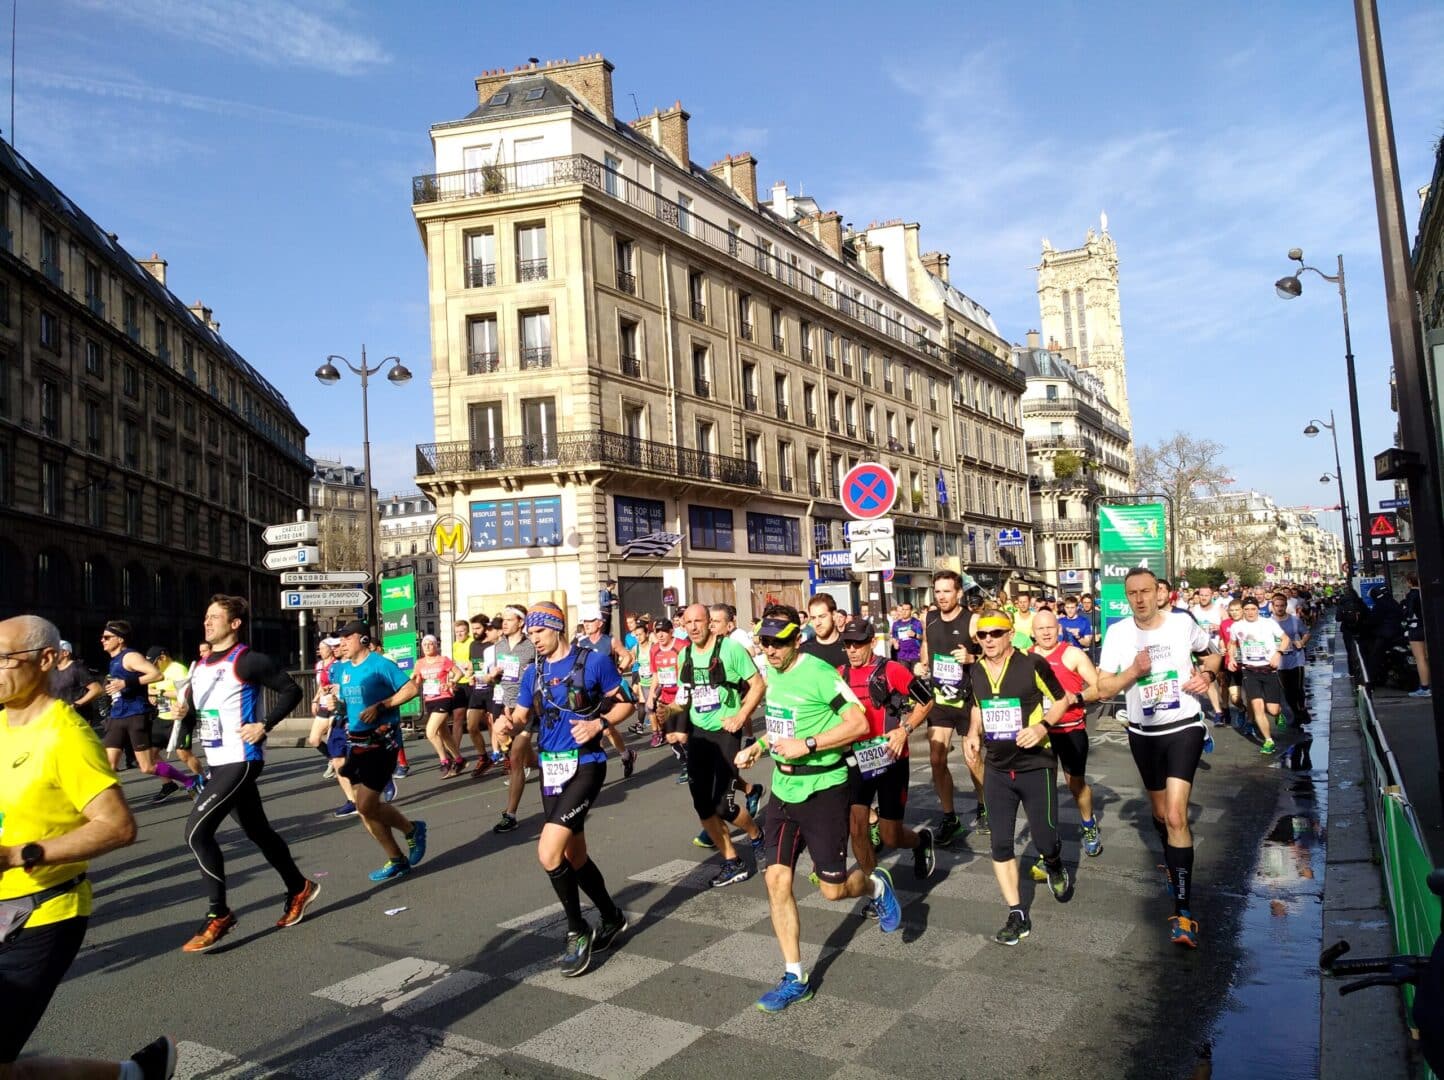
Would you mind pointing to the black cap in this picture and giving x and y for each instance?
(857, 630)
(663, 624)
(154, 653)
(355, 626)
(495, 623)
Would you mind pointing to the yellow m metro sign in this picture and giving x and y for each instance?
(450, 538)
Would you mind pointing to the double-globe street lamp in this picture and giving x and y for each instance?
(1289, 288)
(328, 373)
(1337, 474)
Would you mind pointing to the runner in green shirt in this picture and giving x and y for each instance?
(813, 718)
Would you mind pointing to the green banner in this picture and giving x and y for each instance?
(398, 627)
(1128, 537)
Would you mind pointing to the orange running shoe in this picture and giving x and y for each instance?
(1183, 931)
(296, 905)
(211, 933)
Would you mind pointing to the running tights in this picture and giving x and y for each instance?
(1037, 791)
(1293, 681)
(232, 790)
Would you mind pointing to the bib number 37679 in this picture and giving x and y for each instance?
(1002, 717)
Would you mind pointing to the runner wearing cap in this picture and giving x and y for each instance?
(662, 659)
(1017, 701)
(948, 656)
(575, 695)
(813, 718)
(887, 690)
(130, 717)
(436, 675)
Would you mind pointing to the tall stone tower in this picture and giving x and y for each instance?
(1078, 303)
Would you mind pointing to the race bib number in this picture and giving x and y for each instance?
(904, 635)
(557, 770)
(1255, 653)
(431, 688)
(1002, 717)
(705, 698)
(478, 665)
(873, 756)
(667, 677)
(1159, 691)
(511, 669)
(210, 727)
(781, 723)
(947, 670)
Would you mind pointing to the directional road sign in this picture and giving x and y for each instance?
(328, 577)
(868, 491)
(880, 528)
(873, 556)
(291, 532)
(280, 558)
(296, 600)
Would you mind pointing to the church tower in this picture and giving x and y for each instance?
(1081, 317)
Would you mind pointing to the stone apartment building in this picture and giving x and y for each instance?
(625, 342)
(405, 544)
(1249, 526)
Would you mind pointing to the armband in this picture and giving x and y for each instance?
(131, 680)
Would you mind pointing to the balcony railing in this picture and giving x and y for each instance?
(907, 393)
(866, 377)
(749, 400)
(52, 270)
(851, 430)
(779, 343)
(531, 270)
(834, 424)
(482, 363)
(480, 274)
(871, 435)
(699, 311)
(132, 331)
(96, 304)
(1062, 442)
(1080, 482)
(599, 448)
(887, 385)
(701, 387)
(807, 354)
(536, 357)
(814, 488)
(811, 418)
(829, 362)
(783, 410)
(847, 369)
(745, 329)
(627, 282)
(631, 365)
(1055, 526)
(784, 482)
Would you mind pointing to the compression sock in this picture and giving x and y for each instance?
(1090, 823)
(589, 880)
(401, 759)
(1180, 866)
(564, 881)
(169, 772)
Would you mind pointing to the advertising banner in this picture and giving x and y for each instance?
(1128, 537)
(398, 627)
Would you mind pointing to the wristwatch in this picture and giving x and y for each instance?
(31, 856)
(811, 744)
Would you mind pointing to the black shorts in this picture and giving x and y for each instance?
(1263, 684)
(370, 766)
(431, 706)
(679, 723)
(461, 696)
(570, 808)
(31, 967)
(1071, 750)
(949, 716)
(711, 773)
(821, 823)
(480, 698)
(136, 729)
(1163, 757)
(889, 788)
(498, 706)
(185, 731)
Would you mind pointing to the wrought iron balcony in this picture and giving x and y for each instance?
(480, 274)
(912, 446)
(814, 488)
(631, 365)
(1062, 442)
(783, 410)
(749, 400)
(834, 424)
(536, 357)
(779, 343)
(887, 385)
(51, 269)
(866, 377)
(531, 270)
(96, 304)
(784, 482)
(745, 329)
(907, 393)
(602, 449)
(699, 311)
(132, 331)
(627, 282)
(851, 430)
(811, 418)
(829, 361)
(701, 387)
(807, 354)
(482, 363)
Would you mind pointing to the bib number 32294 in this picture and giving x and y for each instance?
(557, 769)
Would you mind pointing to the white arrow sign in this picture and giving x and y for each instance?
(878, 528)
(329, 577)
(295, 532)
(325, 598)
(873, 556)
(281, 558)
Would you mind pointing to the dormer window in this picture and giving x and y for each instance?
(500, 98)
(535, 93)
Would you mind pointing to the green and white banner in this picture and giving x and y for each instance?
(398, 627)
(1129, 537)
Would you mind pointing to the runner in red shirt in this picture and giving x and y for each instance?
(436, 674)
(666, 650)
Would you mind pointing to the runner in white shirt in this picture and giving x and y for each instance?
(1209, 612)
(1152, 657)
(1256, 648)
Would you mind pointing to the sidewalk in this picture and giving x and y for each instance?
(1408, 724)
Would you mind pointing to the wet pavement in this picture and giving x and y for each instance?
(1268, 1023)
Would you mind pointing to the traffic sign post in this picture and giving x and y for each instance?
(295, 532)
(301, 555)
(869, 490)
(326, 577)
(308, 599)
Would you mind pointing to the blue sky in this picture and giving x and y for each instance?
(265, 148)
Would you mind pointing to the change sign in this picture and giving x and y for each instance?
(1129, 537)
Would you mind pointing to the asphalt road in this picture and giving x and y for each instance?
(447, 973)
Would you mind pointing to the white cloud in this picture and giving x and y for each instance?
(268, 32)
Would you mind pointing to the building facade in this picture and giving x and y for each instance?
(1077, 455)
(340, 503)
(1240, 529)
(626, 343)
(405, 542)
(140, 455)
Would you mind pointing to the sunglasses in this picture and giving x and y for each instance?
(773, 642)
(994, 633)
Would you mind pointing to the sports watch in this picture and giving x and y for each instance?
(811, 744)
(31, 856)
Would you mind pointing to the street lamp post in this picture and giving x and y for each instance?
(1289, 288)
(1311, 431)
(327, 373)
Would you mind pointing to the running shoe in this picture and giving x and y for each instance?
(754, 800)
(925, 856)
(169, 788)
(578, 956)
(608, 931)
(791, 989)
(683, 778)
(1061, 884)
(637, 729)
(394, 868)
(416, 843)
(198, 784)
(869, 910)
(949, 829)
(330, 773)
(889, 911)
(482, 764)
(1038, 872)
(813, 879)
(444, 765)
(1183, 930)
(702, 840)
(389, 792)
(758, 854)
(733, 871)
(402, 772)
(506, 824)
(629, 763)
(980, 821)
(1220, 720)
(1267, 747)
(1092, 841)
(216, 927)
(346, 809)
(1207, 741)
(874, 835)
(157, 1060)
(528, 775)
(656, 740)
(296, 905)
(1422, 692)
(1014, 930)
(497, 757)
(1281, 721)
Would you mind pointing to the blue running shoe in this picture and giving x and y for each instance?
(402, 772)
(889, 911)
(389, 792)
(346, 809)
(702, 840)
(416, 843)
(394, 868)
(1207, 741)
(754, 801)
(789, 990)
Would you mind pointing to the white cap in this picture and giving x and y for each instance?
(332, 642)
(65, 647)
(589, 613)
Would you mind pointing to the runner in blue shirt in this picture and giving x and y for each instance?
(576, 695)
(1077, 627)
(907, 636)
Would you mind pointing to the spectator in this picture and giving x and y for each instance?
(1414, 631)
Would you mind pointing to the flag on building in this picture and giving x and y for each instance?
(942, 489)
(652, 545)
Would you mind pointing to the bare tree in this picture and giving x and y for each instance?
(1186, 469)
(342, 541)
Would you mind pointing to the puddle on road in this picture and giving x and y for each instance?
(1269, 1025)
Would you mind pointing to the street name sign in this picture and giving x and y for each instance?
(326, 577)
(281, 558)
(297, 600)
(291, 532)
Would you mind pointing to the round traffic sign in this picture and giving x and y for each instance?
(868, 491)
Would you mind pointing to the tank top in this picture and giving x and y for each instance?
(1075, 718)
(223, 703)
(131, 701)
